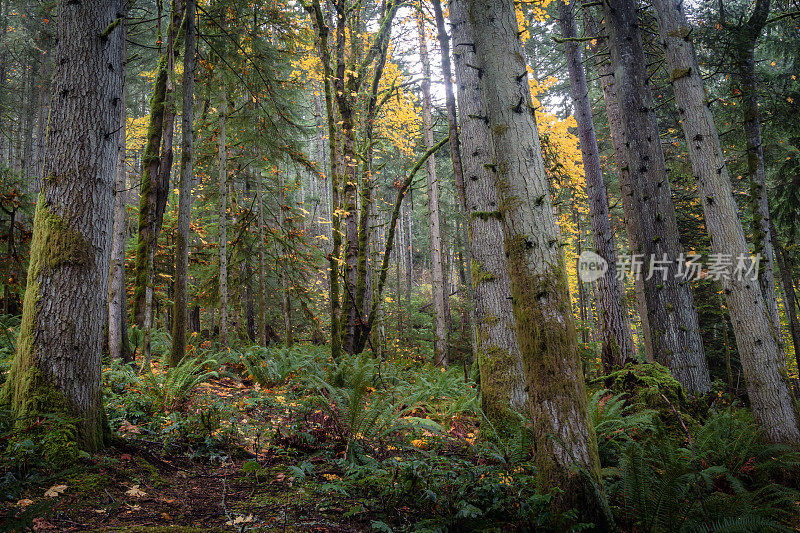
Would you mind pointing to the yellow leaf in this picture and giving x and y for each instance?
(55, 490)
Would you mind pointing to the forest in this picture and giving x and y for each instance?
(399, 265)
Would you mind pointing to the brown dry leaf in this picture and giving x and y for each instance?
(40, 524)
(24, 503)
(127, 427)
(55, 490)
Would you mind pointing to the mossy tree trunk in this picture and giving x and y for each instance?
(615, 332)
(767, 384)
(438, 240)
(322, 30)
(563, 436)
(671, 313)
(180, 307)
(156, 163)
(499, 360)
(282, 255)
(790, 298)
(746, 35)
(364, 276)
(57, 366)
(262, 322)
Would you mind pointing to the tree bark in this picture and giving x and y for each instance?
(615, 332)
(262, 323)
(335, 171)
(502, 376)
(609, 88)
(672, 317)
(181, 299)
(117, 294)
(790, 297)
(57, 366)
(767, 385)
(745, 36)
(154, 187)
(222, 217)
(282, 262)
(563, 437)
(438, 252)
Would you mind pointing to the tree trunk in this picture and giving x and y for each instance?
(759, 203)
(180, 307)
(57, 366)
(499, 360)
(262, 323)
(154, 188)
(767, 385)
(563, 437)
(335, 172)
(615, 331)
(438, 252)
(117, 294)
(790, 298)
(672, 317)
(609, 88)
(282, 262)
(222, 217)
(455, 153)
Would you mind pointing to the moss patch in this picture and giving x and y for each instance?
(651, 386)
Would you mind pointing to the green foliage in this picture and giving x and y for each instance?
(271, 366)
(722, 479)
(172, 388)
(650, 386)
(358, 418)
(140, 396)
(9, 330)
(616, 423)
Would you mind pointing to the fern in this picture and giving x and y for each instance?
(616, 423)
(272, 366)
(361, 416)
(172, 388)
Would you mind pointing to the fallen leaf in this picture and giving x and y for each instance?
(136, 492)
(240, 520)
(55, 490)
(24, 503)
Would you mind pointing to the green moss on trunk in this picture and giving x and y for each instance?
(29, 391)
(564, 440)
(148, 191)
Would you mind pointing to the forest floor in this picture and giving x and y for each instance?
(139, 485)
(282, 439)
(225, 459)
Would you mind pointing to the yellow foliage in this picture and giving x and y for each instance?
(136, 132)
(398, 120)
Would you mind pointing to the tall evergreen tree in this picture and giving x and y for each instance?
(56, 368)
(671, 313)
(563, 437)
